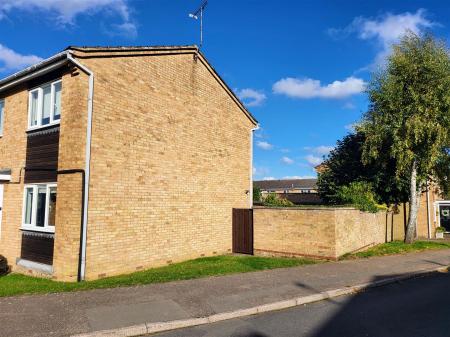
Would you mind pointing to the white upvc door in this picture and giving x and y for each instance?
(1, 208)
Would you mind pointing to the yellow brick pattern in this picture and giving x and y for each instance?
(71, 155)
(170, 159)
(316, 232)
(12, 155)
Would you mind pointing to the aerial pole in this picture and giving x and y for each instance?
(199, 13)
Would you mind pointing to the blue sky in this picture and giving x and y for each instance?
(299, 66)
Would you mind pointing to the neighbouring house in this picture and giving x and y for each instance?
(115, 159)
(298, 191)
(433, 212)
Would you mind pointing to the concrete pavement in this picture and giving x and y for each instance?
(67, 314)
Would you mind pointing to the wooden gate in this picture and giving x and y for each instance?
(243, 231)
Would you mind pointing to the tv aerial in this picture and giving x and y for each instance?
(198, 14)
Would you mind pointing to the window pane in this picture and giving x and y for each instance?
(2, 107)
(57, 101)
(34, 97)
(46, 104)
(52, 207)
(40, 212)
(28, 205)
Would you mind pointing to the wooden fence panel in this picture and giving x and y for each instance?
(243, 231)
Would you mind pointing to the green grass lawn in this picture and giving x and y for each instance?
(17, 284)
(397, 247)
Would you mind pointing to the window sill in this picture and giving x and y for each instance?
(36, 266)
(38, 229)
(35, 128)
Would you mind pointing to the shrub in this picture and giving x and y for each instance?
(440, 229)
(257, 194)
(360, 195)
(4, 268)
(274, 200)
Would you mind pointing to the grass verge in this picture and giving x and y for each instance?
(17, 284)
(397, 247)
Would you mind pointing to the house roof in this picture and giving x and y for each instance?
(286, 184)
(62, 57)
(132, 48)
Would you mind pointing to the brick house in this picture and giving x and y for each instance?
(287, 186)
(298, 191)
(115, 159)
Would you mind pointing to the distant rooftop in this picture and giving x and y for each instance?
(286, 184)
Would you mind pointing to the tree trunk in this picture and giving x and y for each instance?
(414, 199)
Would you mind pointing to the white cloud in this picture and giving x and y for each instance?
(287, 160)
(390, 27)
(322, 149)
(268, 178)
(11, 60)
(126, 29)
(260, 171)
(264, 145)
(310, 88)
(299, 177)
(260, 133)
(349, 106)
(313, 160)
(65, 12)
(350, 127)
(386, 30)
(251, 97)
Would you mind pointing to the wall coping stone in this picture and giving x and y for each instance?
(307, 208)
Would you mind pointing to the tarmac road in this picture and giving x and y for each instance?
(415, 308)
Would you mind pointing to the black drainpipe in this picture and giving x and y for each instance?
(83, 179)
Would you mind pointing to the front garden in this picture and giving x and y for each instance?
(17, 284)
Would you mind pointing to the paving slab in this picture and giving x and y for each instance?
(66, 314)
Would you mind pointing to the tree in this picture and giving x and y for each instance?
(410, 112)
(257, 196)
(344, 166)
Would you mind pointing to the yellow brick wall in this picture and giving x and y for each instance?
(422, 218)
(399, 219)
(71, 155)
(170, 159)
(168, 140)
(316, 232)
(356, 230)
(12, 155)
(291, 231)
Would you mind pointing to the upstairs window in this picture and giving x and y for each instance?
(2, 112)
(44, 105)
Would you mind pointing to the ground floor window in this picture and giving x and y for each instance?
(39, 207)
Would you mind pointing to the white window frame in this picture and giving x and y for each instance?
(40, 91)
(2, 116)
(32, 226)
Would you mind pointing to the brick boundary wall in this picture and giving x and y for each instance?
(317, 231)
